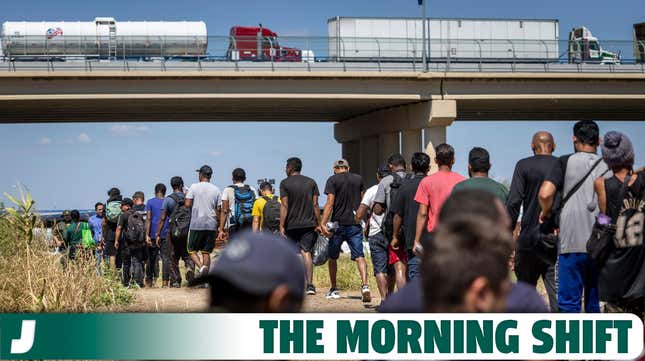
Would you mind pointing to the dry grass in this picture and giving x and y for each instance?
(33, 279)
(347, 277)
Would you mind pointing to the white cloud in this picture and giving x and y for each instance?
(84, 138)
(215, 153)
(45, 141)
(124, 130)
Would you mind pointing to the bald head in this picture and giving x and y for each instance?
(542, 143)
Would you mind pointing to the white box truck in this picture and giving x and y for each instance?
(468, 40)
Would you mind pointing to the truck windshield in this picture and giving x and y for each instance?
(593, 45)
(270, 42)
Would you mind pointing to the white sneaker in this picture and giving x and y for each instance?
(333, 294)
(365, 292)
(201, 269)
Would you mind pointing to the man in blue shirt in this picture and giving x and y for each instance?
(96, 225)
(153, 210)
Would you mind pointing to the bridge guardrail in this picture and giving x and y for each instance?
(309, 53)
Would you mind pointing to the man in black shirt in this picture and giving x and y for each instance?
(405, 218)
(344, 192)
(527, 179)
(300, 214)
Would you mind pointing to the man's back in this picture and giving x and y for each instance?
(205, 198)
(300, 191)
(154, 206)
(484, 184)
(434, 190)
(346, 188)
(527, 179)
(578, 214)
(405, 206)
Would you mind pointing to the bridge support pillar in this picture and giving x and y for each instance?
(433, 137)
(370, 138)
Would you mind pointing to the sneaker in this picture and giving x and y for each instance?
(311, 290)
(365, 292)
(333, 294)
(175, 285)
(201, 270)
(190, 275)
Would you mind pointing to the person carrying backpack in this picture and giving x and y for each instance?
(266, 210)
(75, 234)
(237, 206)
(621, 201)
(131, 241)
(174, 244)
(108, 234)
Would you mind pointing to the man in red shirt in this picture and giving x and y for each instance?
(432, 192)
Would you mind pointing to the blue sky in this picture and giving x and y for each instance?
(72, 165)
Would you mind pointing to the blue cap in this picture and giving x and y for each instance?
(257, 263)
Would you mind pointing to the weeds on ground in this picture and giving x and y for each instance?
(32, 277)
(348, 277)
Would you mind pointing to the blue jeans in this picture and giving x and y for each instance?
(577, 274)
(414, 266)
(353, 235)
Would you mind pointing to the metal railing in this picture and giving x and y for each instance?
(95, 53)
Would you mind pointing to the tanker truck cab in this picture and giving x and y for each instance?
(259, 44)
(585, 48)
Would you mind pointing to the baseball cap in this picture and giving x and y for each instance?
(67, 212)
(138, 194)
(127, 202)
(257, 263)
(341, 163)
(205, 170)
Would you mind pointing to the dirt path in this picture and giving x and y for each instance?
(196, 300)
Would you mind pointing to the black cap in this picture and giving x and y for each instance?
(257, 263)
(127, 202)
(205, 170)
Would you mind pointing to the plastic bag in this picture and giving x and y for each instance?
(320, 252)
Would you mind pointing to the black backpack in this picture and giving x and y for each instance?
(179, 219)
(271, 214)
(387, 226)
(135, 231)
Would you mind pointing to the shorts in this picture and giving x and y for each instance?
(353, 235)
(305, 238)
(201, 241)
(378, 251)
(109, 249)
(397, 255)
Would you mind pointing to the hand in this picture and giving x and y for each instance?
(417, 249)
(221, 235)
(158, 241)
(116, 244)
(283, 232)
(394, 243)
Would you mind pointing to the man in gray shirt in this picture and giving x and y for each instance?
(576, 271)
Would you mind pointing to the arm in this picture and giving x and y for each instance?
(148, 226)
(397, 228)
(361, 214)
(117, 237)
(327, 213)
(422, 219)
(284, 207)
(256, 224)
(545, 197)
(223, 216)
(516, 194)
(188, 202)
(379, 200)
(162, 220)
(316, 209)
(599, 187)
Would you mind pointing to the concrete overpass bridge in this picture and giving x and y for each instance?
(375, 113)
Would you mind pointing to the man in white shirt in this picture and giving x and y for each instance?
(204, 198)
(377, 241)
(237, 206)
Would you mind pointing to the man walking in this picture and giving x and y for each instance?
(574, 177)
(153, 213)
(203, 197)
(527, 178)
(60, 230)
(300, 214)
(237, 206)
(478, 168)
(344, 192)
(113, 209)
(130, 241)
(96, 226)
(266, 210)
(376, 239)
(176, 217)
(405, 211)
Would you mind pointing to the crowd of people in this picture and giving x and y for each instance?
(443, 241)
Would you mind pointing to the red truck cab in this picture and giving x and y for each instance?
(259, 44)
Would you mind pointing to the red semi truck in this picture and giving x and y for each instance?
(257, 43)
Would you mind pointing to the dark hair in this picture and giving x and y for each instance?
(587, 132)
(76, 215)
(295, 164)
(420, 163)
(445, 154)
(239, 175)
(383, 171)
(469, 201)
(160, 188)
(464, 248)
(113, 192)
(98, 204)
(176, 182)
(138, 195)
(396, 160)
(479, 160)
(265, 186)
